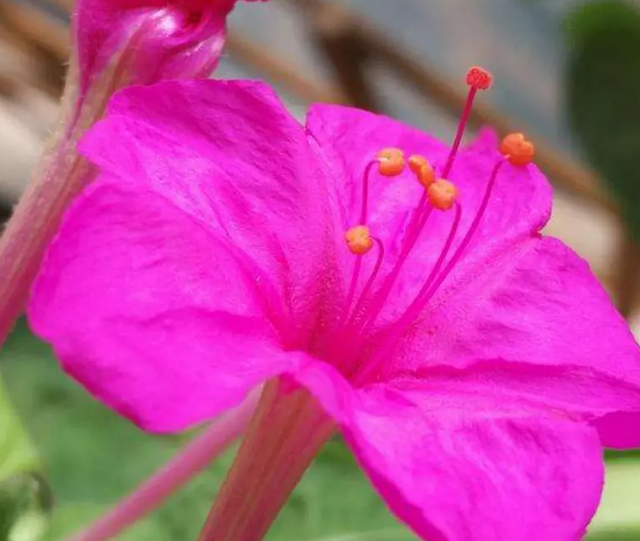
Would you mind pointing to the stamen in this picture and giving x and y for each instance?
(356, 237)
(517, 149)
(426, 294)
(426, 176)
(442, 194)
(422, 169)
(359, 240)
(477, 79)
(416, 162)
(391, 162)
(439, 194)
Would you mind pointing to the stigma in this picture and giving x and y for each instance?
(479, 78)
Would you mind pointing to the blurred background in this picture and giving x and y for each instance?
(567, 73)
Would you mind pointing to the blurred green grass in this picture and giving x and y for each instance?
(92, 458)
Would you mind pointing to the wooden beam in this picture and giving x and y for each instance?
(627, 279)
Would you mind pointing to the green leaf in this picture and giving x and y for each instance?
(618, 518)
(16, 452)
(602, 89)
(24, 496)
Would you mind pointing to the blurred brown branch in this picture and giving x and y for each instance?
(360, 42)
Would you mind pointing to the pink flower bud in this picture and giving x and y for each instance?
(145, 41)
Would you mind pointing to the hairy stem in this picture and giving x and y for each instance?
(56, 179)
(59, 176)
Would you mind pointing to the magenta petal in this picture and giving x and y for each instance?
(611, 404)
(151, 312)
(536, 303)
(472, 478)
(468, 474)
(231, 155)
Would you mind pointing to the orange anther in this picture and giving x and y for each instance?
(517, 149)
(359, 240)
(479, 78)
(391, 162)
(426, 176)
(422, 169)
(442, 194)
(416, 161)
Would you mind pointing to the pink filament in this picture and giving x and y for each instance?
(426, 294)
(464, 120)
(370, 281)
(363, 220)
(417, 222)
(433, 275)
(365, 191)
(435, 278)
(353, 286)
(366, 371)
(387, 286)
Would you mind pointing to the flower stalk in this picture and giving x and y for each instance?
(285, 435)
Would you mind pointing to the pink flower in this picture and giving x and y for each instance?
(146, 41)
(474, 366)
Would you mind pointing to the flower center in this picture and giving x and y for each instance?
(365, 302)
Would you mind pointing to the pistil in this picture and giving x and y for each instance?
(477, 79)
